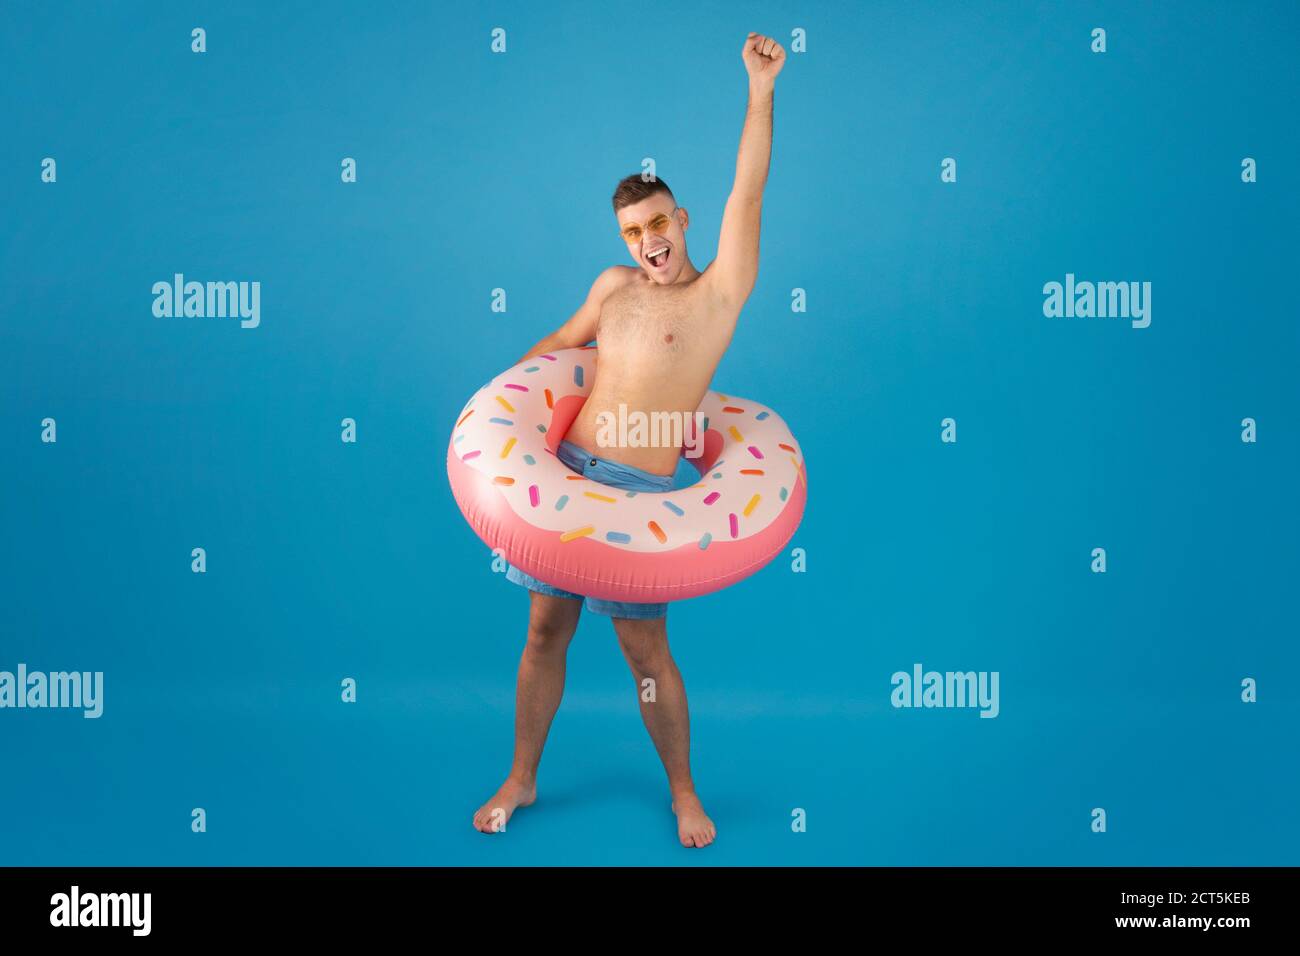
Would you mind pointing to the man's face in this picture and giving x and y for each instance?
(662, 254)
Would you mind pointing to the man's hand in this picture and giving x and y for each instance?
(763, 58)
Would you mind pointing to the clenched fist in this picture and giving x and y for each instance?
(763, 58)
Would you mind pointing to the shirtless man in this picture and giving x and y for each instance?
(662, 328)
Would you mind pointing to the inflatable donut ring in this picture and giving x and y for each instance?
(606, 543)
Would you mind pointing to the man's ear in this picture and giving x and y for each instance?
(686, 218)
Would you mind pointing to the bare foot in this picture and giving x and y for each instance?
(493, 815)
(694, 827)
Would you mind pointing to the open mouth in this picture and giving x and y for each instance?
(658, 258)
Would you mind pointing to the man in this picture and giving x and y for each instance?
(662, 328)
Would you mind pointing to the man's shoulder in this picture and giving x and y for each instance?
(620, 275)
(612, 279)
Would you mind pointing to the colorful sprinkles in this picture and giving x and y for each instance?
(762, 439)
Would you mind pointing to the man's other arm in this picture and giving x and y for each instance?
(581, 328)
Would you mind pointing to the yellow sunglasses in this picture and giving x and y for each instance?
(633, 231)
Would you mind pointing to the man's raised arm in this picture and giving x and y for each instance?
(736, 267)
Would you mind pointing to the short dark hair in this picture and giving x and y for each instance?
(632, 189)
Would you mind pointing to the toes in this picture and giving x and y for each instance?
(490, 819)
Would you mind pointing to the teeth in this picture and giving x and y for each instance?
(657, 253)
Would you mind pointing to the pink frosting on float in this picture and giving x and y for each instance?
(589, 567)
(574, 533)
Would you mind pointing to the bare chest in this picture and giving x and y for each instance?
(648, 315)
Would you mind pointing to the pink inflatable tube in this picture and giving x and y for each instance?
(603, 542)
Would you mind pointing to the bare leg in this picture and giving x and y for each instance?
(645, 645)
(551, 623)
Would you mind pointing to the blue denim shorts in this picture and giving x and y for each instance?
(626, 478)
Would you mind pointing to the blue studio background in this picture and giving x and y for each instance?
(478, 170)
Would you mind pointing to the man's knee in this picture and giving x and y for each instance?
(644, 642)
(551, 622)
